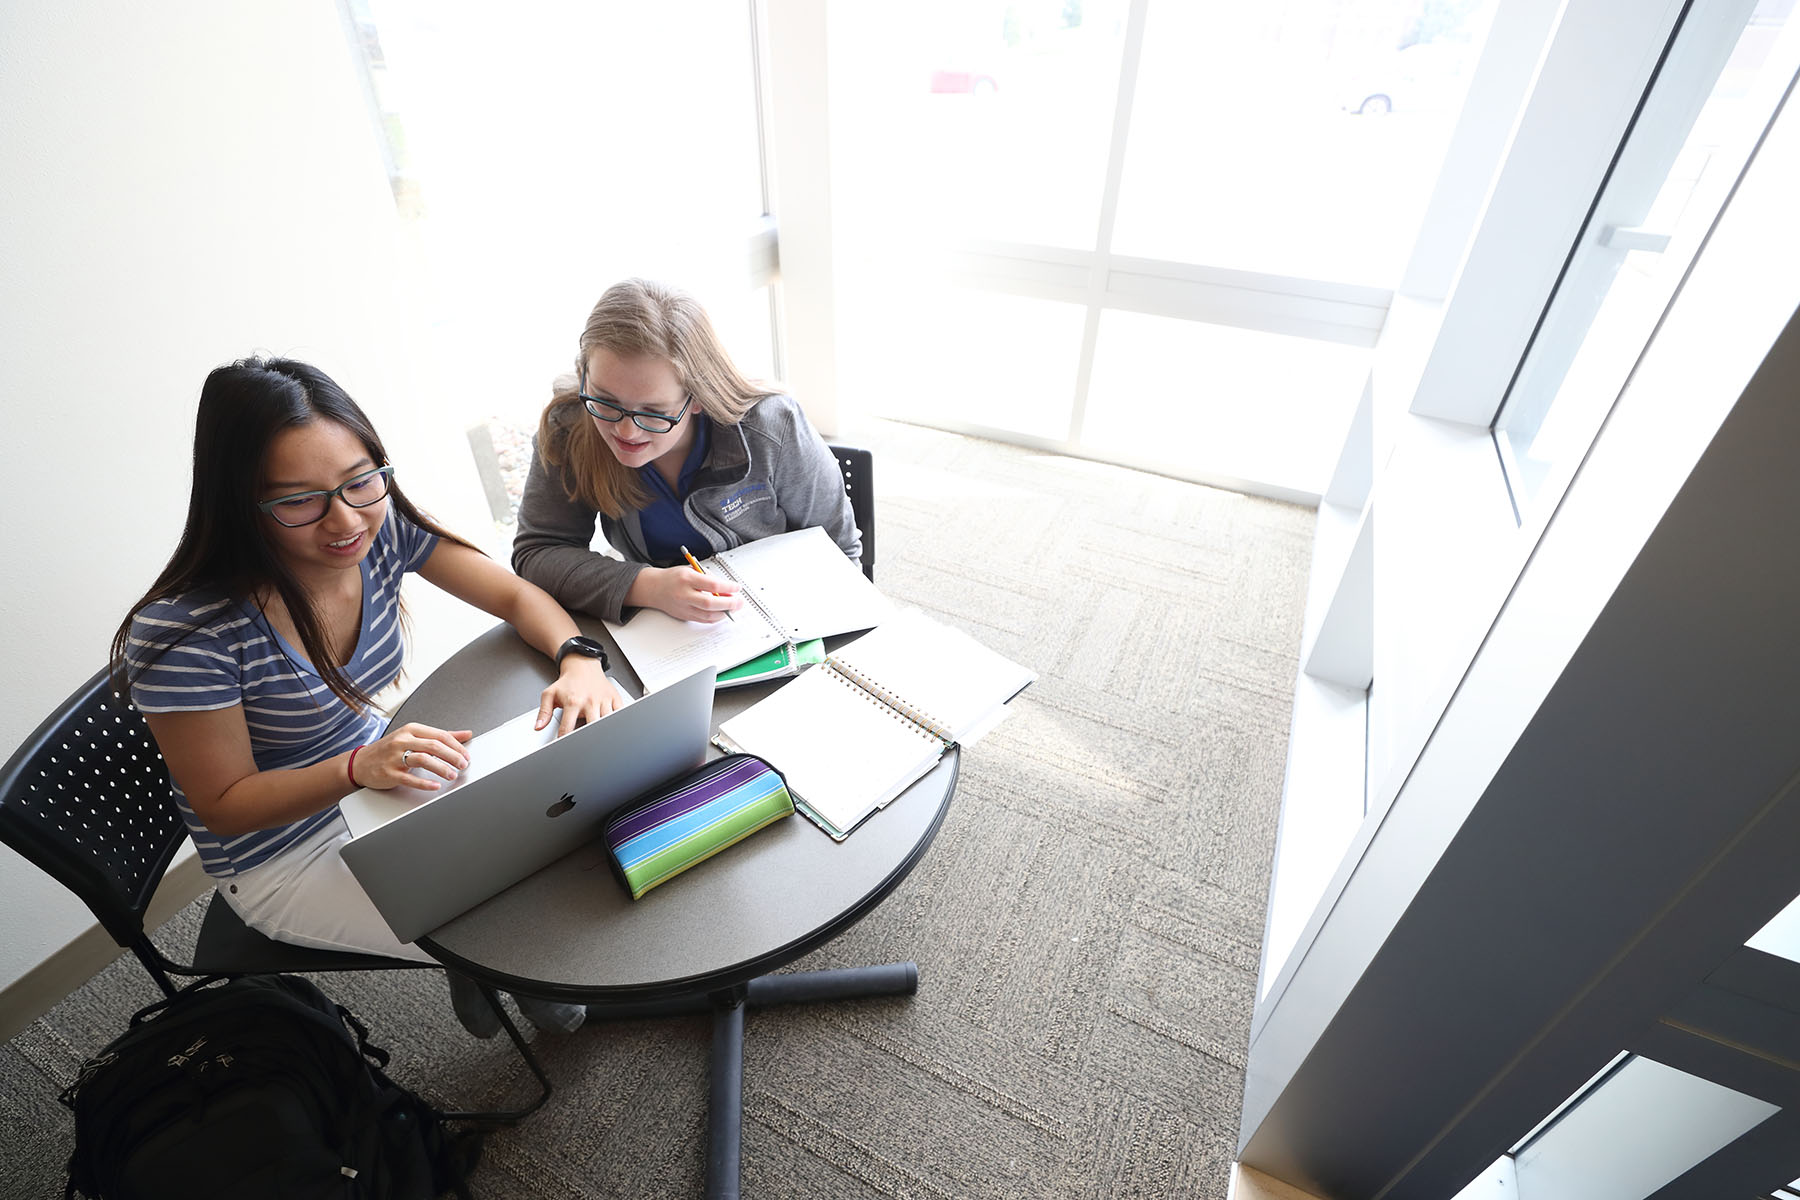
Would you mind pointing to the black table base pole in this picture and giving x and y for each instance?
(725, 1116)
(725, 1111)
(844, 983)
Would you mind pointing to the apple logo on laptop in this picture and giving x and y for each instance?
(561, 806)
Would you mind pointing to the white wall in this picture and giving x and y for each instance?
(187, 183)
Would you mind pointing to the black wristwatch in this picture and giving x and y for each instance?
(587, 647)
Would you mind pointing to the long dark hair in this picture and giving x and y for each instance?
(224, 549)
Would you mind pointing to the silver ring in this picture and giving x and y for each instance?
(403, 758)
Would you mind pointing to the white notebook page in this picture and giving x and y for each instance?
(842, 753)
(800, 578)
(937, 670)
(804, 580)
(663, 650)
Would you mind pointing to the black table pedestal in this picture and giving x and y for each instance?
(725, 1116)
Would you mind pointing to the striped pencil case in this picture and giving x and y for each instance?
(668, 830)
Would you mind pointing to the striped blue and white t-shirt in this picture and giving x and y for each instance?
(230, 654)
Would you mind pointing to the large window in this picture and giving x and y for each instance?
(1631, 1129)
(1228, 400)
(1725, 74)
(1293, 139)
(1171, 230)
(542, 151)
(978, 118)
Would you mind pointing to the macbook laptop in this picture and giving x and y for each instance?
(526, 799)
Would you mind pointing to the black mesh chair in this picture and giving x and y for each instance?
(858, 466)
(87, 798)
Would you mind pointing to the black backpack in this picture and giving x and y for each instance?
(254, 1087)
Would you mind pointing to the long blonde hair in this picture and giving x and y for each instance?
(634, 318)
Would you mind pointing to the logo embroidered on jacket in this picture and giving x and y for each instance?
(735, 503)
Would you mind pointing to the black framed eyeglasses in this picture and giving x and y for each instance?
(304, 508)
(649, 422)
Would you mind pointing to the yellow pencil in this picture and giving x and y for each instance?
(694, 563)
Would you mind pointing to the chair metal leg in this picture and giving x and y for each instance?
(146, 954)
(509, 1116)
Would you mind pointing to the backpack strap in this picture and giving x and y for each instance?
(461, 1149)
(369, 1050)
(152, 1010)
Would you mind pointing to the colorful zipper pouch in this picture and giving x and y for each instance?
(689, 820)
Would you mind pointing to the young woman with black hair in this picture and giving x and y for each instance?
(255, 655)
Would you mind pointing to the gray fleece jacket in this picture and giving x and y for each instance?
(769, 473)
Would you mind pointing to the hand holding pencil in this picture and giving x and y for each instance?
(685, 592)
(695, 563)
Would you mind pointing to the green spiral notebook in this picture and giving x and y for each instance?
(785, 659)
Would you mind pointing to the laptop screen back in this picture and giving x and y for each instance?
(524, 802)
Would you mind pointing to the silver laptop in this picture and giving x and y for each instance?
(527, 798)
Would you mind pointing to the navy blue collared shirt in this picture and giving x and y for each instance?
(665, 524)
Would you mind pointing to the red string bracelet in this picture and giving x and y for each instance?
(350, 769)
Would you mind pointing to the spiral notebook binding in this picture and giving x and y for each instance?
(835, 671)
(749, 595)
(911, 713)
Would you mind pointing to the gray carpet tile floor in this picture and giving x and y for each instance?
(1087, 923)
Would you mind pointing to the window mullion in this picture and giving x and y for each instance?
(1129, 58)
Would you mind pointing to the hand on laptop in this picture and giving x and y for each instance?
(582, 691)
(397, 759)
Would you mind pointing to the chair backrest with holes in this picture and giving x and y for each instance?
(87, 798)
(858, 467)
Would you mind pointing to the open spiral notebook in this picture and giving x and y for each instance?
(797, 587)
(854, 732)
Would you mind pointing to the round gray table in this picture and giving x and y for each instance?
(702, 940)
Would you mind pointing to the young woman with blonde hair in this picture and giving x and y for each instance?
(659, 435)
